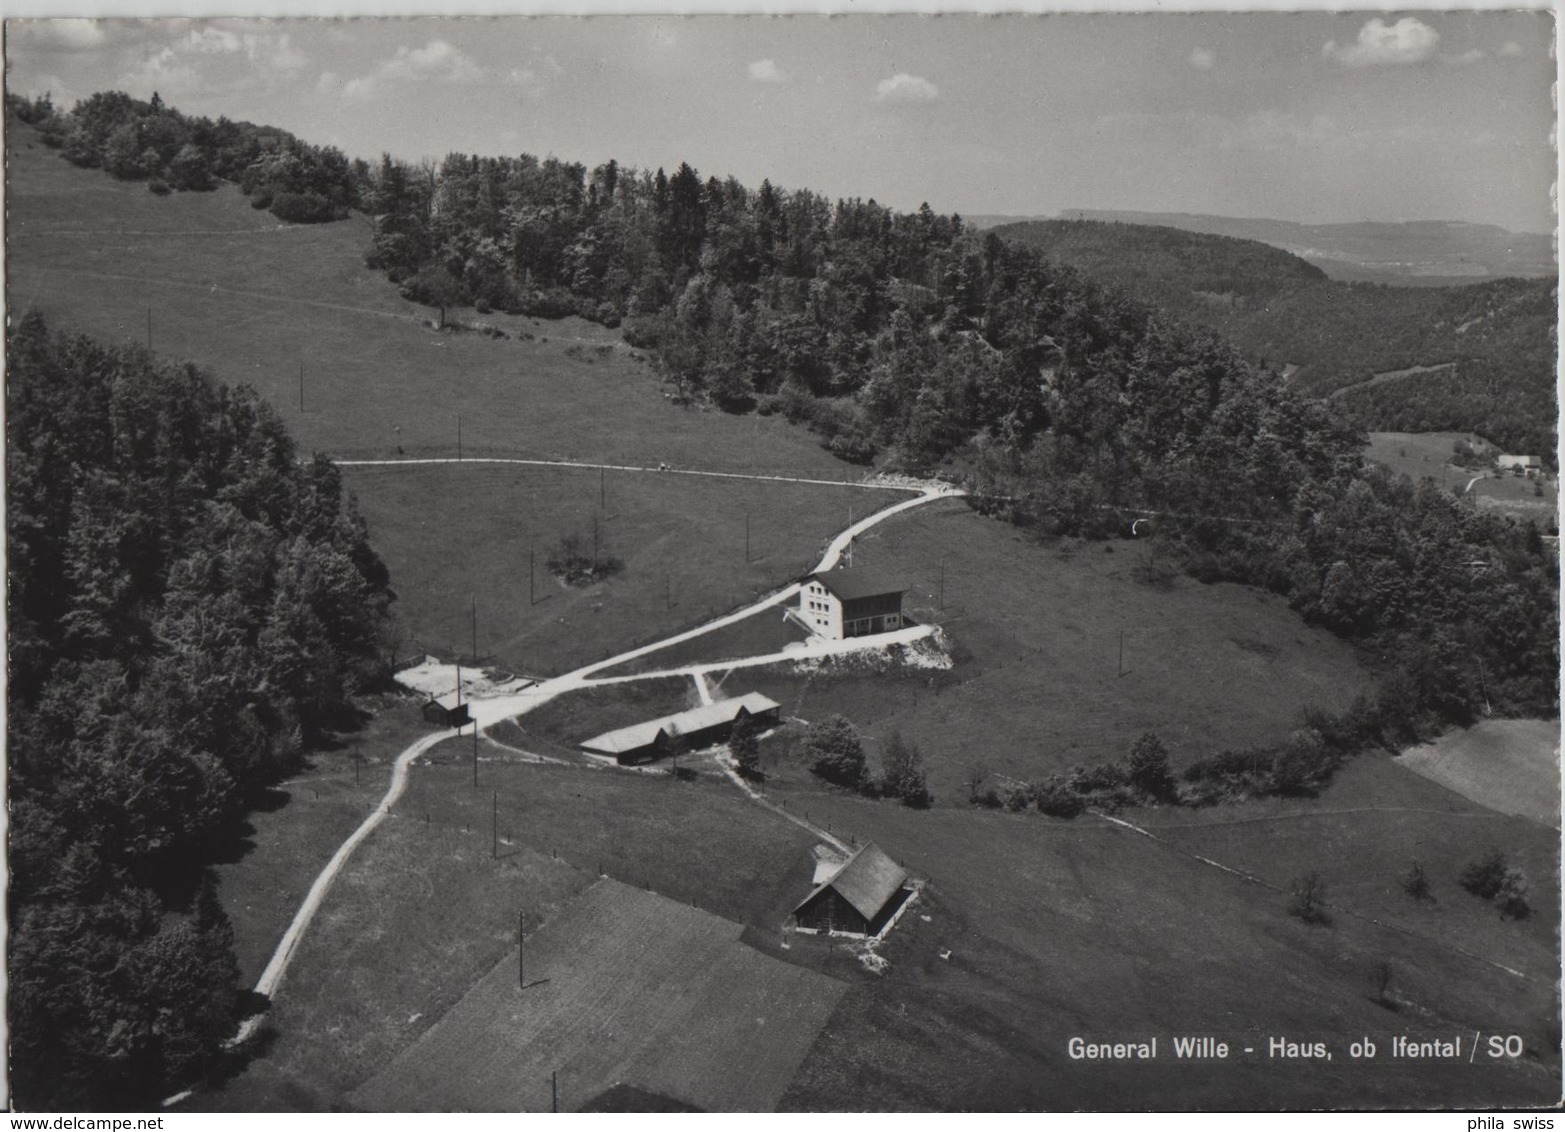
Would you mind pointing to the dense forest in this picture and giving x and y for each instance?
(190, 606)
(1282, 311)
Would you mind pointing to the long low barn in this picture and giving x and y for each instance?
(700, 727)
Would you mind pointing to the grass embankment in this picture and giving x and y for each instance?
(451, 533)
(285, 842)
(1038, 683)
(763, 634)
(567, 719)
(231, 290)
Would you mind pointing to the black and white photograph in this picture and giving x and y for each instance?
(814, 563)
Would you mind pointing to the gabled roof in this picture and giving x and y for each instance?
(450, 701)
(640, 735)
(631, 738)
(862, 581)
(866, 881)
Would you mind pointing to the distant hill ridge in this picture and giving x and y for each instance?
(1286, 312)
(1422, 252)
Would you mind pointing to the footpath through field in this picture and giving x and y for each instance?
(879, 483)
(488, 712)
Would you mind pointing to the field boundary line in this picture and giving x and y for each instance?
(1364, 916)
(1301, 814)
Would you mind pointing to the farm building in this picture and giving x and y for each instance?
(1528, 466)
(447, 711)
(700, 727)
(860, 898)
(851, 602)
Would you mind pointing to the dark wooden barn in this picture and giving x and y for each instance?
(860, 898)
(447, 711)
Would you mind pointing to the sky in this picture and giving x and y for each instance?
(1311, 117)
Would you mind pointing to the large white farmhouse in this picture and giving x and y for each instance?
(851, 603)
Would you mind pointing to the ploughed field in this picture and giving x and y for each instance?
(625, 987)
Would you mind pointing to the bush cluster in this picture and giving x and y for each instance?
(834, 751)
(1495, 879)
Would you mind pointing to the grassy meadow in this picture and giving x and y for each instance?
(251, 300)
(451, 533)
(1177, 947)
(1038, 684)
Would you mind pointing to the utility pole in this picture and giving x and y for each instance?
(602, 488)
(554, 1083)
(595, 542)
(475, 754)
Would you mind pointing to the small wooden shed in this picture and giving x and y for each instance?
(448, 710)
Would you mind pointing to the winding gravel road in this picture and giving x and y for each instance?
(487, 712)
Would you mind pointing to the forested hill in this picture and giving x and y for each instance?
(1187, 273)
(902, 338)
(189, 605)
(1497, 337)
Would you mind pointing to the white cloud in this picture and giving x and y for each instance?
(767, 71)
(1409, 40)
(1510, 49)
(61, 35)
(903, 87)
(1202, 59)
(274, 52)
(168, 69)
(1471, 55)
(198, 59)
(208, 41)
(436, 62)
